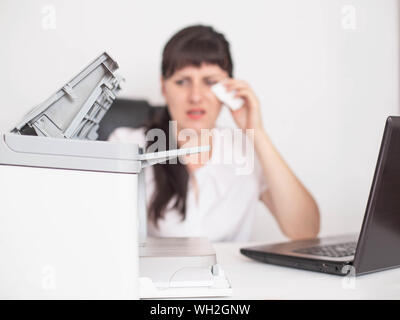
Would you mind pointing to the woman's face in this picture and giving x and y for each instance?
(189, 97)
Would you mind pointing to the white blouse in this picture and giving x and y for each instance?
(228, 192)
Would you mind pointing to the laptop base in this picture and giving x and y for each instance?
(284, 254)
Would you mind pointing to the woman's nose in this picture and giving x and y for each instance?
(196, 94)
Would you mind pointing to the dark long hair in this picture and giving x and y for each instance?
(193, 45)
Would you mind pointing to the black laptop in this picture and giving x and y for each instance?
(378, 245)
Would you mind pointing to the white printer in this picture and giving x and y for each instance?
(72, 209)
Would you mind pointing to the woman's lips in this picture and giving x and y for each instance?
(196, 113)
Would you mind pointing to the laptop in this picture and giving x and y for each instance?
(376, 248)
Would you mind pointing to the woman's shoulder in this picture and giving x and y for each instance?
(127, 134)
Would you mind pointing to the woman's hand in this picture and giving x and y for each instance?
(249, 115)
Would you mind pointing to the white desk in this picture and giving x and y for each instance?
(255, 280)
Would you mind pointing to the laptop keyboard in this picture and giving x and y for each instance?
(335, 250)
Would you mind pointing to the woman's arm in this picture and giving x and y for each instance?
(289, 201)
(292, 205)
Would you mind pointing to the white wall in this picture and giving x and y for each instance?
(326, 82)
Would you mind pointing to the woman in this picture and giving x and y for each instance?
(209, 198)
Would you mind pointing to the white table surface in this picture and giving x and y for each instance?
(256, 280)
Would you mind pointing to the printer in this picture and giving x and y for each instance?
(73, 221)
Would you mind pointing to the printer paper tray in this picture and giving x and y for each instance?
(200, 289)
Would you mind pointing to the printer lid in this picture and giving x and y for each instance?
(58, 133)
(76, 109)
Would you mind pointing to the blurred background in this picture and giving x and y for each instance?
(325, 71)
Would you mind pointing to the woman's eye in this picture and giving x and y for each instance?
(211, 82)
(180, 82)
